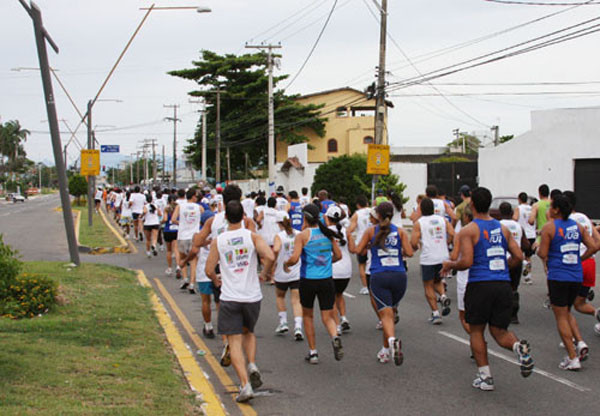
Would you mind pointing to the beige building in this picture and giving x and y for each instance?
(349, 128)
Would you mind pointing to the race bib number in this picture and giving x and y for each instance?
(390, 261)
(495, 252)
(497, 264)
(569, 247)
(570, 259)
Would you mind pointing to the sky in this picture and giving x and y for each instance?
(91, 34)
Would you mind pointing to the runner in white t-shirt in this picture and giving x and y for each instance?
(235, 251)
(431, 233)
(137, 201)
(187, 218)
(521, 215)
(151, 216)
(359, 222)
(283, 247)
(305, 198)
(462, 276)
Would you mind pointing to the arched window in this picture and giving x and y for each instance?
(368, 140)
(332, 146)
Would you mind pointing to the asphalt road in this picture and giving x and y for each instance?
(435, 378)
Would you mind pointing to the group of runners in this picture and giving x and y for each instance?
(222, 245)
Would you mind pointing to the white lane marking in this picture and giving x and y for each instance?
(512, 361)
(349, 295)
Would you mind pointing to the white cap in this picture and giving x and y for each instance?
(334, 212)
(281, 215)
(205, 201)
(373, 213)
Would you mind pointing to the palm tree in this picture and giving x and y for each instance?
(12, 137)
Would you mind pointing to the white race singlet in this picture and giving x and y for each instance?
(287, 248)
(189, 220)
(434, 244)
(524, 212)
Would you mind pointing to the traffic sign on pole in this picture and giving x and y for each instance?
(109, 148)
(378, 159)
(90, 162)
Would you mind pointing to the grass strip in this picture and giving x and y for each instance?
(98, 235)
(102, 352)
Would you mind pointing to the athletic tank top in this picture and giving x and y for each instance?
(281, 203)
(541, 220)
(524, 212)
(287, 248)
(316, 257)
(434, 244)
(151, 218)
(362, 223)
(439, 207)
(200, 265)
(489, 254)
(170, 227)
(564, 263)
(342, 269)
(397, 218)
(238, 262)
(269, 225)
(515, 229)
(219, 225)
(304, 200)
(388, 258)
(587, 225)
(296, 216)
(126, 210)
(325, 205)
(189, 220)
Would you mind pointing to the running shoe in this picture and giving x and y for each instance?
(524, 356)
(169, 271)
(254, 375)
(191, 290)
(547, 303)
(208, 333)
(225, 356)
(445, 302)
(597, 329)
(161, 247)
(298, 335)
(363, 291)
(312, 358)
(435, 320)
(338, 350)
(591, 295)
(570, 365)
(184, 285)
(379, 325)
(483, 383)
(526, 271)
(383, 356)
(245, 394)
(527, 280)
(582, 351)
(178, 273)
(397, 352)
(149, 254)
(154, 252)
(282, 328)
(345, 325)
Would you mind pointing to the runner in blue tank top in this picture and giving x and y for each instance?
(387, 244)
(316, 246)
(560, 242)
(484, 244)
(295, 212)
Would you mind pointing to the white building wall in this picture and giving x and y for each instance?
(545, 154)
(414, 176)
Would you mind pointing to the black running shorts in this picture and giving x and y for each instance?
(563, 293)
(323, 289)
(340, 285)
(284, 286)
(489, 303)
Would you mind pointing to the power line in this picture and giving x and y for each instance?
(540, 3)
(314, 45)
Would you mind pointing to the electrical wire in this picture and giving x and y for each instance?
(540, 3)
(314, 45)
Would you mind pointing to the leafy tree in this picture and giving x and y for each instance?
(12, 137)
(392, 183)
(78, 187)
(344, 176)
(472, 143)
(504, 139)
(243, 81)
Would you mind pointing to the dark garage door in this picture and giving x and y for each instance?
(587, 187)
(451, 176)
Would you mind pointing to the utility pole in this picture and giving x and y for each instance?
(218, 138)
(147, 143)
(131, 169)
(380, 110)
(496, 131)
(90, 145)
(41, 36)
(40, 176)
(228, 165)
(271, 146)
(163, 165)
(203, 112)
(174, 119)
(137, 167)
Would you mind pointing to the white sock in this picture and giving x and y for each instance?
(436, 313)
(516, 347)
(208, 325)
(282, 317)
(485, 371)
(312, 352)
(298, 322)
(343, 318)
(391, 341)
(385, 350)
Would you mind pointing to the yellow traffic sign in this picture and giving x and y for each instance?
(90, 162)
(378, 159)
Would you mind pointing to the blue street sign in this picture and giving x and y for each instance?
(109, 148)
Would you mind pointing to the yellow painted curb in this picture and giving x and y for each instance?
(224, 378)
(193, 373)
(77, 222)
(126, 246)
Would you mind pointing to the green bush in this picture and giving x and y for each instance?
(78, 186)
(10, 267)
(29, 295)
